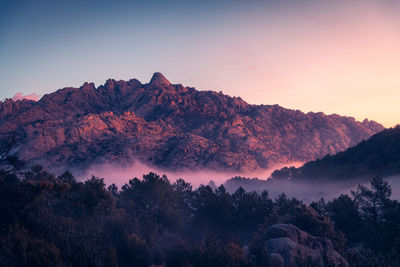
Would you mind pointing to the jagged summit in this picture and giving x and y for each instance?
(88, 86)
(169, 126)
(159, 80)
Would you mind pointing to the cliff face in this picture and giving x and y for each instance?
(169, 126)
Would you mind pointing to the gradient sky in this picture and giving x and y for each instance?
(339, 56)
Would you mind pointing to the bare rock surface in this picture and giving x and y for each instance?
(289, 246)
(170, 126)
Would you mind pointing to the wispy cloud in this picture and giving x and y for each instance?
(21, 96)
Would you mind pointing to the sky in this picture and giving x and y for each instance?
(339, 56)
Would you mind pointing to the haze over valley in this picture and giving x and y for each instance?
(199, 133)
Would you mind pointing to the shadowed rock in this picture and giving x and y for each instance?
(379, 155)
(289, 246)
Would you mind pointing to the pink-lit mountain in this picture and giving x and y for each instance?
(170, 126)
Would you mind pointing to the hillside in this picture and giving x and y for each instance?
(170, 126)
(379, 155)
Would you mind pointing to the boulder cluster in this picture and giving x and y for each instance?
(289, 246)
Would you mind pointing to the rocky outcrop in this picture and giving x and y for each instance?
(287, 245)
(10, 107)
(170, 126)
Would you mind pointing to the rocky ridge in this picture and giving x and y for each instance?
(168, 125)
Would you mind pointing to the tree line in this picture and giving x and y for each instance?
(49, 220)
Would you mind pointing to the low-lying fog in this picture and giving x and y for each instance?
(113, 173)
(120, 174)
(310, 191)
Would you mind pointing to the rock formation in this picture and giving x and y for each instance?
(288, 246)
(170, 126)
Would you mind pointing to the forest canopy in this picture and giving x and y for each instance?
(48, 220)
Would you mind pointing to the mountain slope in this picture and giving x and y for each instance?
(169, 126)
(379, 155)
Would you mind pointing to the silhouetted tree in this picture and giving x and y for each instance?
(343, 211)
(67, 177)
(58, 221)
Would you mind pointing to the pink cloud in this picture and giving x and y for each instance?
(21, 96)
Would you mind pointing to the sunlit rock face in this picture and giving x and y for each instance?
(170, 126)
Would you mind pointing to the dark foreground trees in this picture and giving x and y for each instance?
(57, 221)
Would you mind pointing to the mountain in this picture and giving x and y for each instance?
(170, 126)
(379, 155)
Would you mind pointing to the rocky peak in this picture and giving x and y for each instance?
(159, 80)
(110, 84)
(88, 86)
(10, 106)
(135, 82)
(176, 127)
